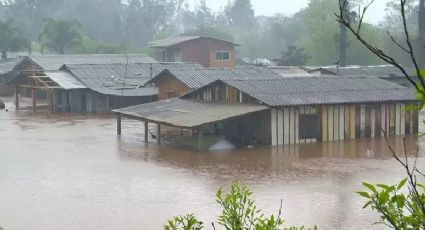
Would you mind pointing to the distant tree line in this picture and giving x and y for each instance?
(311, 36)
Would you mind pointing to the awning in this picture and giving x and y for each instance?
(185, 113)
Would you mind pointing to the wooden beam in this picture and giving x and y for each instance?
(118, 124)
(146, 132)
(17, 97)
(158, 136)
(34, 100)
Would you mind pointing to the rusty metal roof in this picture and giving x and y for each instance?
(197, 77)
(319, 90)
(185, 113)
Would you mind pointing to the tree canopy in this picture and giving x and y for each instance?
(11, 38)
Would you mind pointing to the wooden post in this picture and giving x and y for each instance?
(158, 133)
(17, 97)
(34, 100)
(200, 139)
(119, 124)
(146, 132)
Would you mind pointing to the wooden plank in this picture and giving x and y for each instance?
(415, 121)
(341, 122)
(146, 132)
(286, 125)
(296, 125)
(280, 127)
(362, 121)
(273, 126)
(324, 123)
(397, 119)
(402, 119)
(383, 119)
(291, 126)
(119, 125)
(336, 123)
(301, 111)
(346, 122)
(411, 122)
(353, 122)
(372, 122)
(392, 119)
(330, 123)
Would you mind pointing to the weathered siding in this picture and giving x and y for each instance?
(169, 86)
(343, 122)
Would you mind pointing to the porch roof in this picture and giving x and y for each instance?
(185, 113)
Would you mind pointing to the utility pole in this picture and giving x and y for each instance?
(343, 36)
(421, 35)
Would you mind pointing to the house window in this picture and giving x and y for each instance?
(309, 126)
(222, 55)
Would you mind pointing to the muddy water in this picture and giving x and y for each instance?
(73, 172)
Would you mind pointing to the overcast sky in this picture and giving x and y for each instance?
(288, 7)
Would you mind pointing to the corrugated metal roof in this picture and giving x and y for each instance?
(186, 113)
(319, 90)
(197, 77)
(172, 41)
(65, 80)
(54, 62)
(290, 71)
(110, 78)
(376, 71)
(8, 65)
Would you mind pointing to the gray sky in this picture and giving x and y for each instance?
(288, 7)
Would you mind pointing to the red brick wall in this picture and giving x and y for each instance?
(203, 51)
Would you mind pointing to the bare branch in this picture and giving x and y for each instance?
(397, 43)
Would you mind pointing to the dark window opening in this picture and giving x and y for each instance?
(309, 126)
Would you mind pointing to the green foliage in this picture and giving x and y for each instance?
(188, 222)
(398, 209)
(239, 212)
(92, 46)
(11, 38)
(322, 40)
(294, 56)
(57, 35)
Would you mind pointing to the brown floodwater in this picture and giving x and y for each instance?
(73, 172)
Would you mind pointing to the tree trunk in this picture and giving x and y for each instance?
(421, 35)
(343, 38)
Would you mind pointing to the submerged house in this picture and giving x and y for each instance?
(59, 83)
(286, 110)
(179, 81)
(208, 51)
(88, 83)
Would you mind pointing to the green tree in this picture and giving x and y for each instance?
(293, 56)
(59, 35)
(240, 14)
(11, 38)
(322, 41)
(239, 212)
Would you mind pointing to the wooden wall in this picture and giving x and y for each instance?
(170, 86)
(224, 93)
(344, 122)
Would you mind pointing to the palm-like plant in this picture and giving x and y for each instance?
(57, 35)
(11, 38)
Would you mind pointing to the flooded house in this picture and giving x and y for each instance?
(86, 83)
(176, 82)
(286, 110)
(208, 51)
